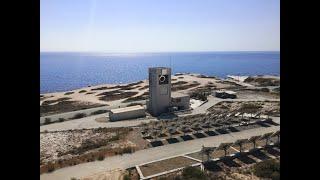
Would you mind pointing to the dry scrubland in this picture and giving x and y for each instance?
(114, 95)
(263, 107)
(66, 148)
(263, 80)
(70, 147)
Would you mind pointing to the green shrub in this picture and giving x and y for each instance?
(193, 173)
(115, 138)
(61, 119)
(68, 93)
(199, 95)
(100, 158)
(51, 168)
(127, 150)
(47, 121)
(79, 115)
(82, 91)
(126, 177)
(267, 169)
(265, 90)
(73, 178)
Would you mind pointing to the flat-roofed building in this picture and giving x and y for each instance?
(182, 101)
(130, 112)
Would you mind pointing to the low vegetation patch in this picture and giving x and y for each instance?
(179, 87)
(100, 158)
(267, 169)
(90, 92)
(48, 102)
(51, 168)
(82, 91)
(101, 88)
(61, 119)
(250, 107)
(144, 96)
(66, 106)
(115, 95)
(68, 93)
(199, 95)
(261, 81)
(264, 90)
(193, 173)
(79, 115)
(264, 107)
(47, 121)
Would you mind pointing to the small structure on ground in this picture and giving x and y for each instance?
(225, 94)
(179, 100)
(130, 112)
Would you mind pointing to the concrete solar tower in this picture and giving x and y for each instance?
(159, 90)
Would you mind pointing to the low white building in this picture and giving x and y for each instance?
(130, 112)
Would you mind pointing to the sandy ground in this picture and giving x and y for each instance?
(115, 162)
(141, 87)
(77, 96)
(58, 145)
(116, 174)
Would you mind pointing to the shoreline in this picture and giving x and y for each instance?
(121, 84)
(123, 95)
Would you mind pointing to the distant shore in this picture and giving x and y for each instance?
(123, 95)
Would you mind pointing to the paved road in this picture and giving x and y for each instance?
(90, 122)
(67, 115)
(152, 154)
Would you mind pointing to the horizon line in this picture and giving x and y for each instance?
(157, 51)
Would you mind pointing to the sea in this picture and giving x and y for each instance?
(60, 71)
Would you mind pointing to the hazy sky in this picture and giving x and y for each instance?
(159, 25)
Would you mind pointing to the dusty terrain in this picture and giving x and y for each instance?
(116, 174)
(59, 146)
(62, 105)
(263, 80)
(256, 107)
(116, 95)
(77, 146)
(111, 94)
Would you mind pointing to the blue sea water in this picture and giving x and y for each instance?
(68, 71)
